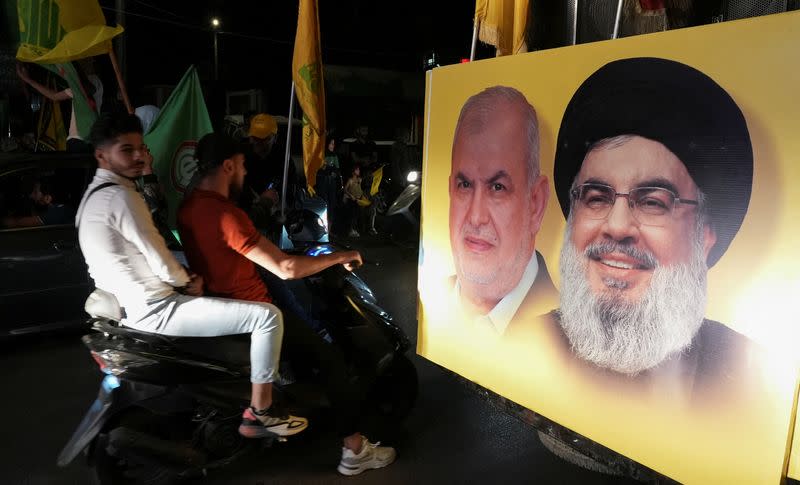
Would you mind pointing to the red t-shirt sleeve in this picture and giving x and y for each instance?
(238, 231)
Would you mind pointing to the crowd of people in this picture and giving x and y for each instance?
(343, 182)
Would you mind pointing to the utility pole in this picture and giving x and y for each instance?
(215, 26)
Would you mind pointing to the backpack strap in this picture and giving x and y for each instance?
(99, 187)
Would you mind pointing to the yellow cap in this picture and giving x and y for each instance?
(262, 126)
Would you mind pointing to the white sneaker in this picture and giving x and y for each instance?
(371, 456)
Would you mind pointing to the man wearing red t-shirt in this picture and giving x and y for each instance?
(223, 246)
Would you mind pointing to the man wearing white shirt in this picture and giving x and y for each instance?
(128, 257)
(497, 201)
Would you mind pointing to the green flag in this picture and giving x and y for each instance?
(85, 114)
(173, 136)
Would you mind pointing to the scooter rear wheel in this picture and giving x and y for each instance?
(107, 469)
(109, 465)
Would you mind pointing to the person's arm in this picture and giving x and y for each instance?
(12, 222)
(22, 72)
(290, 267)
(151, 189)
(240, 234)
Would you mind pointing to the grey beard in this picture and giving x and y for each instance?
(631, 337)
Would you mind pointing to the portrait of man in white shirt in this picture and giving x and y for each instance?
(497, 201)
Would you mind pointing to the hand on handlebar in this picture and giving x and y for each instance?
(353, 259)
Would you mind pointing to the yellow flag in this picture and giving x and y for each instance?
(309, 86)
(58, 31)
(503, 24)
(377, 177)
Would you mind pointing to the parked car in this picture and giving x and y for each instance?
(43, 277)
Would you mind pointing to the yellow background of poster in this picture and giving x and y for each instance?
(753, 288)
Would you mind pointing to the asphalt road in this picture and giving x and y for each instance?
(453, 436)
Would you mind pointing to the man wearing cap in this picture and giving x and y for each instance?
(264, 164)
(224, 247)
(653, 171)
(497, 201)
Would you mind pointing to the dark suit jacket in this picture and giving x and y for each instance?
(541, 298)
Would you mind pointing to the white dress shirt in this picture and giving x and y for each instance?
(500, 316)
(125, 253)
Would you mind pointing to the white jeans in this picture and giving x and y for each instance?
(188, 316)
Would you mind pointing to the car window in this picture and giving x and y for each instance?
(41, 196)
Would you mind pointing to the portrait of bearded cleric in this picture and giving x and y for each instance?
(653, 172)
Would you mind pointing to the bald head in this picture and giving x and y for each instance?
(491, 106)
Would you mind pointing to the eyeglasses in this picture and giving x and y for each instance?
(651, 206)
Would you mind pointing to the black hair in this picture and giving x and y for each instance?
(111, 125)
(213, 149)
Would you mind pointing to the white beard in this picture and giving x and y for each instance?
(631, 337)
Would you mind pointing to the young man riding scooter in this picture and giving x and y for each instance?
(222, 244)
(128, 258)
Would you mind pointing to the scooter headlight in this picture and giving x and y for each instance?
(412, 176)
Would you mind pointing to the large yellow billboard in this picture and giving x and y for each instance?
(610, 237)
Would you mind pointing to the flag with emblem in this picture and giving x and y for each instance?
(59, 31)
(309, 86)
(173, 136)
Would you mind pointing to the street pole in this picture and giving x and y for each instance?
(216, 58)
(215, 26)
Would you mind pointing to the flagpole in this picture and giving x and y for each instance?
(474, 39)
(120, 81)
(616, 21)
(288, 150)
(575, 24)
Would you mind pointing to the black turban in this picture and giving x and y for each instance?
(673, 104)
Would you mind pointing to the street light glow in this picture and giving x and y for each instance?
(215, 22)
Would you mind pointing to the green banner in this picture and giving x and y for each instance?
(173, 136)
(85, 115)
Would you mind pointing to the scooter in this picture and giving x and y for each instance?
(169, 408)
(404, 212)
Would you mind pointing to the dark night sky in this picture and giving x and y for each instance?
(256, 42)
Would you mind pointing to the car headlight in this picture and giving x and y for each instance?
(412, 176)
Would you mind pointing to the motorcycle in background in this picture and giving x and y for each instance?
(404, 211)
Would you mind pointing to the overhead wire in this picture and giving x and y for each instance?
(243, 36)
(159, 9)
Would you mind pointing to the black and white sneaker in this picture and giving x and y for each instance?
(259, 424)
